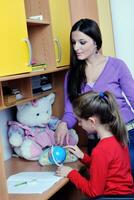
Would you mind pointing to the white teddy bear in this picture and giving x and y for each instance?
(34, 129)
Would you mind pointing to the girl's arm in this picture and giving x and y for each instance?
(84, 157)
(98, 174)
(86, 160)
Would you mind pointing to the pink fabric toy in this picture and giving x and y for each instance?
(31, 134)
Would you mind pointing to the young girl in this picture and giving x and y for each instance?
(109, 163)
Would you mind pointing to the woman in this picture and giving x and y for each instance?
(90, 70)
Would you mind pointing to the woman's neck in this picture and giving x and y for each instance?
(95, 66)
(95, 59)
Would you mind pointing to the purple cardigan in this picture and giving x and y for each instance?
(115, 78)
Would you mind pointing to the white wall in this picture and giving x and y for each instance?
(122, 12)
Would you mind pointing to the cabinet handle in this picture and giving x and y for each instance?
(59, 50)
(30, 50)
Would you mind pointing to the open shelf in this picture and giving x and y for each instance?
(23, 82)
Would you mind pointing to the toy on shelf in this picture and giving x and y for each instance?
(33, 133)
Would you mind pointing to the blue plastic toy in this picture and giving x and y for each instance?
(57, 155)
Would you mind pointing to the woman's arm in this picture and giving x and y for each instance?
(68, 120)
(68, 116)
(127, 83)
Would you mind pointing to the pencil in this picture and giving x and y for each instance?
(24, 182)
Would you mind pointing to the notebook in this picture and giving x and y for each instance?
(31, 182)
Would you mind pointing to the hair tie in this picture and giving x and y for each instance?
(101, 94)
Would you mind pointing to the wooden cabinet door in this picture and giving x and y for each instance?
(61, 26)
(83, 9)
(101, 13)
(15, 47)
(105, 22)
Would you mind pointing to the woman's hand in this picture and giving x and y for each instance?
(75, 150)
(60, 133)
(63, 171)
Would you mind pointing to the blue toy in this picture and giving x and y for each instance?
(57, 155)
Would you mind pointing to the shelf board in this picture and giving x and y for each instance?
(34, 22)
(24, 100)
(47, 70)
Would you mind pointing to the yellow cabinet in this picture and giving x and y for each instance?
(61, 26)
(15, 48)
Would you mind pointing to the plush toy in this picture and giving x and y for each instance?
(34, 131)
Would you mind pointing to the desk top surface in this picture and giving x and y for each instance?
(16, 165)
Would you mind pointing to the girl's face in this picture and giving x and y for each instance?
(84, 46)
(87, 125)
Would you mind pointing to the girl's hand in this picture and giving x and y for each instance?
(75, 150)
(60, 133)
(63, 171)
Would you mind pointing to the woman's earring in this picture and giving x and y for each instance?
(96, 50)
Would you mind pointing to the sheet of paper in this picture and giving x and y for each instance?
(31, 182)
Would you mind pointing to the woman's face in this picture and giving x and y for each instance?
(84, 46)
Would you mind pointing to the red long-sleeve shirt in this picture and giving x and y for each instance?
(109, 170)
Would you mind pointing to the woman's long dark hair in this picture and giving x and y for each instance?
(76, 75)
(104, 106)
